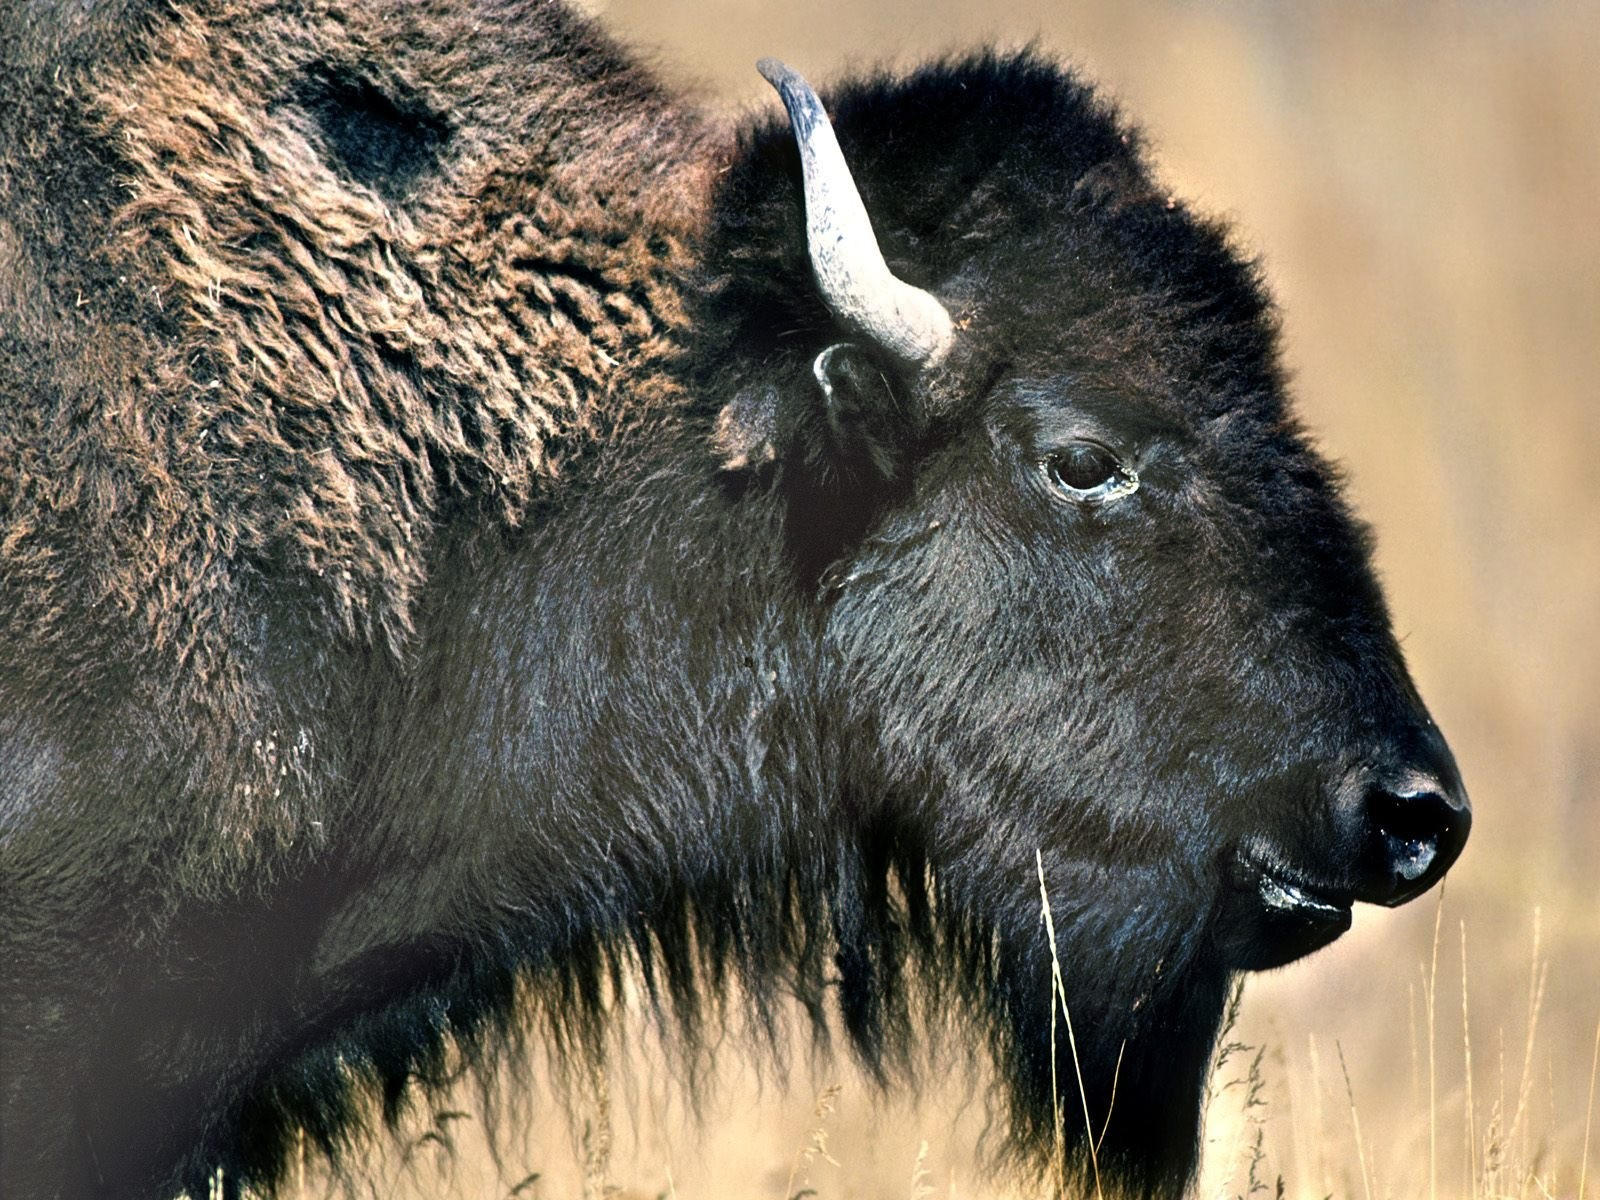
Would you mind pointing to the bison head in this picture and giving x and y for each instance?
(1094, 615)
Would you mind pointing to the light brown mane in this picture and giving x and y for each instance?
(287, 369)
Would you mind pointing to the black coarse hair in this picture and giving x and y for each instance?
(1003, 180)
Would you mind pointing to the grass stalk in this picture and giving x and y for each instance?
(1538, 973)
(1116, 1076)
(1588, 1116)
(921, 1189)
(1416, 1042)
(1059, 986)
(816, 1145)
(1471, 1118)
(1431, 1013)
(1355, 1124)
(1318, 1123)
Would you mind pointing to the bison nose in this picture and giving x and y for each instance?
(1413, 823)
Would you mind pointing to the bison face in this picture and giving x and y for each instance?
(1149, 646)
(1096, 619)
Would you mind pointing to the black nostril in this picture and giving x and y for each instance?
(1412, 825)
(1414, 836)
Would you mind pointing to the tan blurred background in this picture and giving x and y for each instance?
(1423, 181)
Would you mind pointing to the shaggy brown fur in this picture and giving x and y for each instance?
(320, 269)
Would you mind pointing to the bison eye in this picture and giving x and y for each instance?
(1087, 471)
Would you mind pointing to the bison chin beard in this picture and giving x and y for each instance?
(1120, 1060)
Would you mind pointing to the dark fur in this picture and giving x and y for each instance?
(335, 738)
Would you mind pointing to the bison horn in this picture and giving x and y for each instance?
(857, 284)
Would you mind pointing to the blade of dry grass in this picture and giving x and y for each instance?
(1588, 1116)
(1416, 1043)
(1318, 1123)
(596, 1138)
(1430, 1012)
(1538, 973)
(1059, 986)
(921, 1189)
(1116, 1077)
(1466, 1046)
(816, 1145)
(1355, 1124)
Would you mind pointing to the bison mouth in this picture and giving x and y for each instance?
(1272, 915)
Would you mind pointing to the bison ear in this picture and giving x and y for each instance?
(865, 425)
(846, 420)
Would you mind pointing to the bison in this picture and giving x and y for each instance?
(474, 529)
